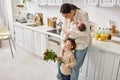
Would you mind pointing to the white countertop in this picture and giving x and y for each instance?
(107, 46)
(103, 45)
(42, 29)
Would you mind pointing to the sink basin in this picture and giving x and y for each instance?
(55, 31)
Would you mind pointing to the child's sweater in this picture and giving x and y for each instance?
(69, 60)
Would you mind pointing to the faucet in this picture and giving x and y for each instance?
(60, 24)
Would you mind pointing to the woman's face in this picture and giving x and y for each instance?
(68, 15)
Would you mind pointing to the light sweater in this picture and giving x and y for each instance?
(82, 39)
(69, 60)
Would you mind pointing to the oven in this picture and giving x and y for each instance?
(54, 43)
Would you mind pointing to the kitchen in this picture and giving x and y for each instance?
(103, 61)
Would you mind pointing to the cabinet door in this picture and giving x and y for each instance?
(28, 40)
(50, 2)
(109, 66)
(37, 41)
(107, 3)
(43, 42)
(90, 69)
(118, 75)
(91, 2)
(118, 3)
(40, 43)
(19, 36)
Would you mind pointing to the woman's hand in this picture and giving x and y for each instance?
(67, 33)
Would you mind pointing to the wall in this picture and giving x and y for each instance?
(99, 15)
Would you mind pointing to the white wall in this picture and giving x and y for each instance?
(99, 15)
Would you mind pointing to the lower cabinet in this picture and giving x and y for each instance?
(91, 67)
(109, 66)
(118, 75)
(19, 36)
(100, 65)
(29, 39)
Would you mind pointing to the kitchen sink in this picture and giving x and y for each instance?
(55, 31)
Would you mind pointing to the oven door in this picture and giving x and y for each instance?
(54, 44)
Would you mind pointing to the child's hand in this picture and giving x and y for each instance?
(43, 57)
(57, 59)
(44, 54)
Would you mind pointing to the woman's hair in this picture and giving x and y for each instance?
(67, 7)
(72, 42)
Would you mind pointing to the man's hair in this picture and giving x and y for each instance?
(72, 42)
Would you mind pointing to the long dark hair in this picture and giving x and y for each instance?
(67, 7)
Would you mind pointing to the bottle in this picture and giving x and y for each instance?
(103, 35)
(98, 33)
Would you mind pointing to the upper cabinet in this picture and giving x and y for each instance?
(91, 2)
(103, 3)
(107, 3)
(118, 3)
(50, 2)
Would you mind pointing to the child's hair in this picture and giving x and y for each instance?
(82, 27)
(72, 42)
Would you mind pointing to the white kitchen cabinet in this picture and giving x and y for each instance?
(91, 2)
(107, 3)
(28, 39)
(40, 43)
(118, 3)
(19, 36)
(118, 74)
(109, 66)
(103, 3)
(37, 44)
(91, 67)
(50, 2)
(43, 42)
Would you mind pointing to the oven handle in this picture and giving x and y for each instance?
(54, 41)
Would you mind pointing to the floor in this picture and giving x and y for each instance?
(25, 66)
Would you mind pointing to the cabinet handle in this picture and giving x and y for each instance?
(54, 41)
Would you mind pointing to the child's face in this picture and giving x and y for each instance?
(68, 45)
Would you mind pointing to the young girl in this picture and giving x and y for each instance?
(68, 58)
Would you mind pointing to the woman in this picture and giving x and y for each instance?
(72, 13)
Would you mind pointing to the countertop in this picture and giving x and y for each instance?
(108, 46)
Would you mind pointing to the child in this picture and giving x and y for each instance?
(75, 29)
(68, 58)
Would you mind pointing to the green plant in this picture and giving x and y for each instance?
(51, 55)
